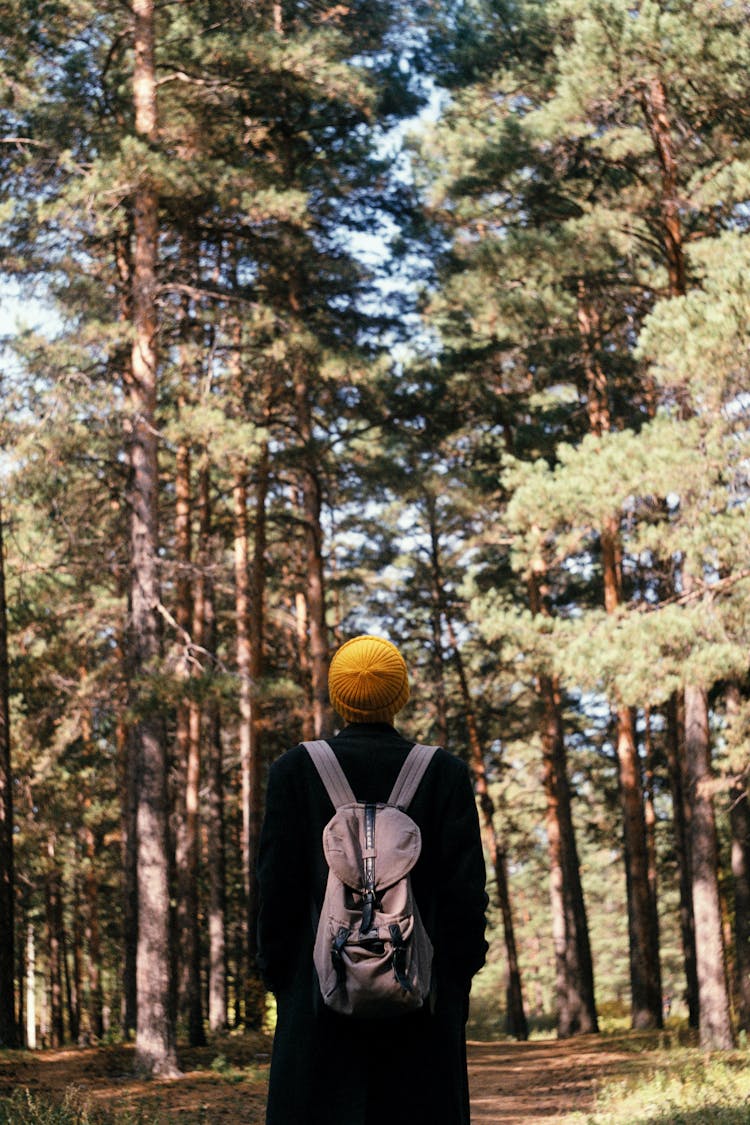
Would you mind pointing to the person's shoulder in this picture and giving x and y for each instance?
(449, 762)
(288, 763)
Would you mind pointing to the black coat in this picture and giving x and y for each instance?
(328, 1069)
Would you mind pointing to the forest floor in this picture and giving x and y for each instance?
(545, 1081)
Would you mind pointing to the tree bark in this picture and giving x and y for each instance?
(217, 937)
(189, 617)
(680, 821)
(516, 1022)
(655, 109)
(574, 973)
(645, 972)
(155, 1035)
(740, 822)
(311, 504)
(303, 651)
(54, 953)
(8, 1028)
(715, 1026)
(127, 752)
(257, 658)
(244, 671)
(214, 808)
(92, 937)
(30, 986)
(739, 815)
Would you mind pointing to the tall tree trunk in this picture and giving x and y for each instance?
(516, 1016)
(214, 808)
(257, 657)
(574, 972)
(312, 504)
(71, 996)
(189, 619)
(8, 1028)
(680, 818)
(715, 1026)
(30, 986)
(155, 1034)
(740, 822)
(244, 671)
(645, 976)
(54, 957)
(127, 751)
(303, 650)
(217, 936)
(645, 972)
(92, 937)
(436, 622)
(739, 813)
(316, 605)
(516, 1023)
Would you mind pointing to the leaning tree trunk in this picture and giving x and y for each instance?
(155, 1034)
(8, 1029)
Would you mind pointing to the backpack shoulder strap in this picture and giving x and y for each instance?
(412, 772)
(331, 773)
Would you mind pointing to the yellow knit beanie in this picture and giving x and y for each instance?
(368, 680)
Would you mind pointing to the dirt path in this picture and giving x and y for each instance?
(523, 1083)
(518, 1083)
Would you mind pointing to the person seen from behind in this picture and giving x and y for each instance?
(370, 959)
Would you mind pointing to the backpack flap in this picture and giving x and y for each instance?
(397, 844)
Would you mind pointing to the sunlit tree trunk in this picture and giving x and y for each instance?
(155, 1035)
(30, 986)
(8, 1028)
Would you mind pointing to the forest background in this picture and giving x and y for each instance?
(422, 319)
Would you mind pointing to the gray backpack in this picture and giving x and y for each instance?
(372, 954)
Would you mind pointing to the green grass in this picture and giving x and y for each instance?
(679, 1086)
(25, 1108)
